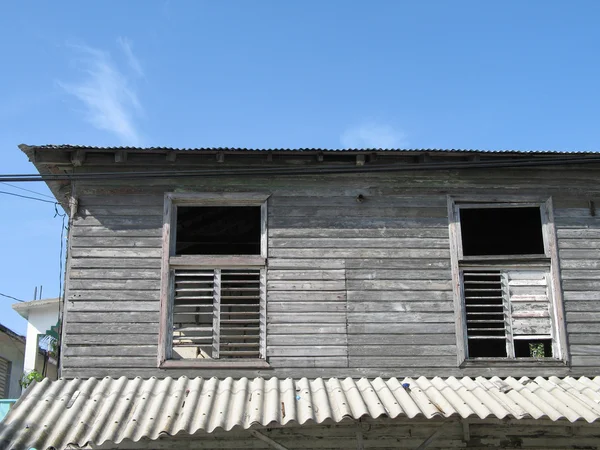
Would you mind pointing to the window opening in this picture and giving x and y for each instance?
(217, 283)
(507, 301)
(501, 231)
(218, 230)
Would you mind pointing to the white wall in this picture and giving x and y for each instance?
(39, 321)
(14, 351)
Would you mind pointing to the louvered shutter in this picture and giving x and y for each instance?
(217, 313)
(4, 377)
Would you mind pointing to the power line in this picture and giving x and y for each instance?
(26, 190)
(27, 196)
(311, 170)
(11, 297)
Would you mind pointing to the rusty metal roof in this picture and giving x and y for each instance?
(93, 411)
(297, 150)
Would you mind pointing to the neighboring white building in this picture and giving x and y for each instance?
(12, 352)
(41, 315)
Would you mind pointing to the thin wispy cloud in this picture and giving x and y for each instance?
(107, 91)
(133, 62)
(373, 135)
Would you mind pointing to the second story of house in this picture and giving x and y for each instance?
(235, 262)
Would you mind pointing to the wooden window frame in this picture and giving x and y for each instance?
(549, 260)
(170, 261)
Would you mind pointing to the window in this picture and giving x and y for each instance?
(213, 288)
(504, 264)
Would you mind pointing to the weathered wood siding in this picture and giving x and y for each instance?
(354, 288)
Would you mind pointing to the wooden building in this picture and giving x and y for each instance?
(317, 264)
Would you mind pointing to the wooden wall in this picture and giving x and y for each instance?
(354, 288)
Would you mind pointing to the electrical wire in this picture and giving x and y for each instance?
(27, 190)
(60, 256)
(11, 297)
(312, 170)
(28, 197)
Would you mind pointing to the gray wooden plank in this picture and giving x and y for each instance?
(306, 285)
(409, 285)
(122, 200)
(349, 201)
(587, 316)
(345, 222)
(584, 338)
(399, 361)
(117, 294)
(586, 361)
(110, 361)
(587, 243)
(119, 210)
(399, 295)
(308, 296)
(112, 328)
(111, 350)
(81, 231)
(591, 274)
(360, 210)
(302, 264)
(399, 328)
(398, 274)
(400, 307)
(581, 295)
(383, 318)
(397, 263)
(310, 339)
(116, 241)
(131, 284)
(322, 329)
(306, 351)
(304, 307)
(109, 305)
(359, 232)
(297, 275)
(344, 243)
(581, 285)
(385, 338)
(110, 339)
(578, 233)
(116, 263)
(122, 252)
(577, 350)
(359, 253)
(394, 350)
(327, 372)
(305, 318)
(122, 222)
(308, 361)
(121, 274)
(583, 327)
(100, 317)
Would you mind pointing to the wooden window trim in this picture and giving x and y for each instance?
(171, 201)
(550, 258)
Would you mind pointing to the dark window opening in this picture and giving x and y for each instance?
(218, 230)
(533, 348)
(501, 231)
(487, 348)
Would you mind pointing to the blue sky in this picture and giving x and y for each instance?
(462, 74)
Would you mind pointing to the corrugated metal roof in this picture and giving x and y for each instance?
(94, 411)
(307, 150)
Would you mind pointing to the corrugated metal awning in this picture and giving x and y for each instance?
(94, 411)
